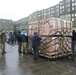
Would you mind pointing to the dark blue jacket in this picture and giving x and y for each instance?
(35, 40)
(24, 38)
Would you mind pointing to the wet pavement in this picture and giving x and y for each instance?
(13, 63)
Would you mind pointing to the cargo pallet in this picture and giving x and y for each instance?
(54, 54)
(56, 37)
(52, 57)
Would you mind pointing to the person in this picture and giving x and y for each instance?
(14, 33)
(11, 37)
(2, 41)
(24, 42)
(19, 39)
(35, 45)
(73, 41)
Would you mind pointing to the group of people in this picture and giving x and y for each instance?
(35, 39)
(22, 38)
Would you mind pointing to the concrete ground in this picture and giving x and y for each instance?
(13, 63)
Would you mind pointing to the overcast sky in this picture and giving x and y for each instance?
(17, 9)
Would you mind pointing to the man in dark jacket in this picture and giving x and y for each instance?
(19, 39)
(73, 41)
(35, 45)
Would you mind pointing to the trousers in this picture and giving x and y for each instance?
(36, 53)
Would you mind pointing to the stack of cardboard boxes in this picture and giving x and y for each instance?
(56, 35)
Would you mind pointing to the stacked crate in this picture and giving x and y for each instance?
(56, 36)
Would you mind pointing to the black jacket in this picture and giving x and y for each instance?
(74, 36)
(19, 38)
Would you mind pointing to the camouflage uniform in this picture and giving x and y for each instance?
(2, 42)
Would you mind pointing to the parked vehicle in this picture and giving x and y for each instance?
(10, 37)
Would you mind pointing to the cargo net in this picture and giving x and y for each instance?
(56, 37)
